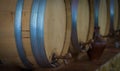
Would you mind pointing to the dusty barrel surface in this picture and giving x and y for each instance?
(82, 22)
(33, 31)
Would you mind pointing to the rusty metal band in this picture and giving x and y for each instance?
(74, 10)
(18, 33)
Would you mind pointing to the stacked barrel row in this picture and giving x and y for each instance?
(93, 22)
(37, 33)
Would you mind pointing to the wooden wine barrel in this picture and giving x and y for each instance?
(114, 14)
(82, 22)
(106, 18)
(8, 50)
(101, 28)
(32, 32)
(114, 22)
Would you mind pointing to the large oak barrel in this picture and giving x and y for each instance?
(106, 18)
(82, 23)
(101, 28)
(114, 14)
(34, 32)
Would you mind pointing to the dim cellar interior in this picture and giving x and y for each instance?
(60, 35)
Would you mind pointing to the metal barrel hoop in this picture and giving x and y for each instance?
(96, 12)
(18, 33)
(111, 16)
(74, 11)
(37, 33)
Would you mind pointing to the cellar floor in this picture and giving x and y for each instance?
(81, 63)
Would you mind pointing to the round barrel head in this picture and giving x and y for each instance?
(54, 27)
(83, 20)
(102, 17)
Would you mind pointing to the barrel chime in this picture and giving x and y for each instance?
(38, 33)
